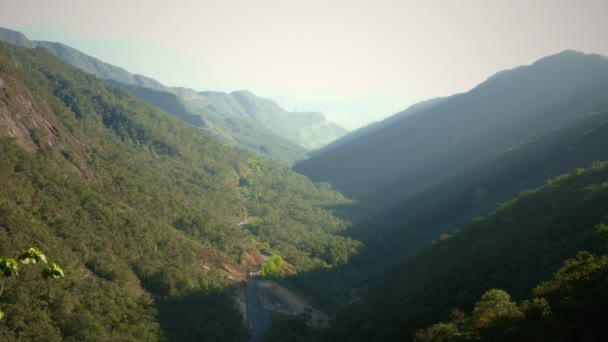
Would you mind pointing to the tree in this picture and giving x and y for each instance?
(9, 268)
(493, 304)
(272, 267)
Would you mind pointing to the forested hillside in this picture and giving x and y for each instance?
(239, 118)
(521, 244)
(140, 209)
(251, 134)
(412, 154)
(404, 229)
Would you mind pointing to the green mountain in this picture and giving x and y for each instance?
(238, 110)
(240, 132)
(412, 154)
(309, 129)
(403, 229)
(523, 243)
(140, 210)
(239, 118)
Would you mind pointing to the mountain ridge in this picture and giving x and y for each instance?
(277, 122)
(436, 143)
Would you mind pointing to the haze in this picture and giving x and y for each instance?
(356, 61)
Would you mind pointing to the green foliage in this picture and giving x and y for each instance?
(254, 165)
(213, 117)
(513, 249)
(32, 255)
(566, 307)
(438, 332)
(291, 218)
(400, 232)
(52, 271)
(602, 231)
(272, 267)
(494, 305)
(9, 267)
(140, 210)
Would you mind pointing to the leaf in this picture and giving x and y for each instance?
(32, 255)
(53, 271)
(9, 267)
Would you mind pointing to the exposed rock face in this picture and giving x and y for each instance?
(21, 117)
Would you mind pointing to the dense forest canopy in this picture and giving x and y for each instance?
(515, 248)
(140, 209)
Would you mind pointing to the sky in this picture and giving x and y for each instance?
(356, 61)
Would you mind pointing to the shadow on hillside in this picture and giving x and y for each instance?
(201, 316)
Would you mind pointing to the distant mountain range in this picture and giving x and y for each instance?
(238, 118)
(384, 164)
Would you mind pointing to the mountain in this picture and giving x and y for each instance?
(388, 165)
(405, 229)
(240, 131)
(238, 118)
(140, 210)
(307, 129)
(400, 230)
(402, 226)
(523, 243)
(377, 126)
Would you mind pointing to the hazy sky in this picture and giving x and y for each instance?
(363, 59)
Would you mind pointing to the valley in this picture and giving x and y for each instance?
(178, 214)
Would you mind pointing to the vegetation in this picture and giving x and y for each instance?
(156, 224)
(385, 166)
(240, 119)
(437, 213)
(566, 307)
(141, 211)
(9, 268)
(306, 235)
(477, 192)
(518, 246)
(219, 121)
(272, 267)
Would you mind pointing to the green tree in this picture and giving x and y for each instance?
(272, 267)
(494, 304)
(9, 268)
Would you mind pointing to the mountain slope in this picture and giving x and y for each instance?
(412, 223)
(249, 121)
(379, 125)
(403, 230)
(519, 245)
(241, 132)
(140, 209)
(388, 165)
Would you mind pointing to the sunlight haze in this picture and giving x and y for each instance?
(356, 61)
